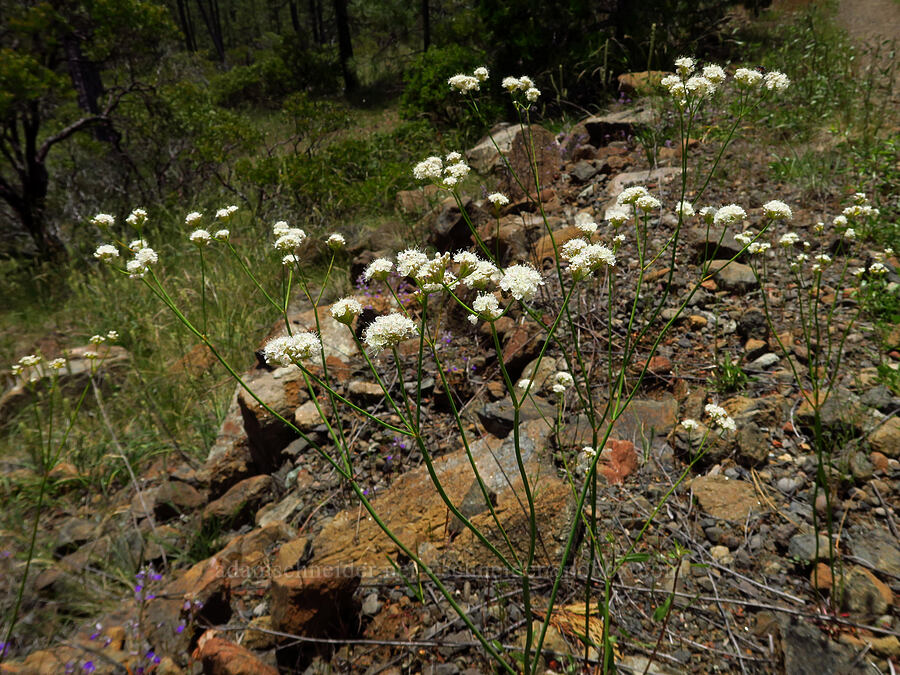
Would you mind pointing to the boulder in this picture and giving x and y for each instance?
(237, 505)
(602, 129)
(316, 604)
(221, 657)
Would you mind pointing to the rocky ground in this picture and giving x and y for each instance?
(288, 574)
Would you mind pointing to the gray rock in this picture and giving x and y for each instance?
(735, 277)
(763, 362)
(497, 417)
(583, 171)
(802, 547)
(807, 651)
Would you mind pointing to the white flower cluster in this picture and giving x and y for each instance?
(789, 239)
(521, 281)
(469, 83)
(585, 259)
(433, 169)
(729, 215)
(222, 235)
(388, 331)
(522, 84)
(336, 241)
(226, 213)
(822, 261)
(776, 81)
(690, 424)
(745, 238)
(200, 237)
(138, 266)
(585, 223)
(758, 247)
(287, 239)
(720, 417)
(684, 209)
(777, 210)
(283, 351)
(192, 217)
(617, 216)
(498, 199)
(487, 306)
(345, 310)
(106, 253)
(562, 381)
(137, 217)
(378, 269)
(746, 78)
(685, 85)
(708, 214)
(639, 197)
(103, 220)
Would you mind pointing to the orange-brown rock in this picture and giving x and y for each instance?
(221, 657)
(317, 602)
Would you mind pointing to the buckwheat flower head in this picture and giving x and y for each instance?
(289, 260)
(850, 234)
(137, 217)
(758, 247)
(532, 94)
(103, 220)
(428, 169)
(472, 319)
(789, 239)
(112, 335)
(521, 281)
(823, 258)
(617, 216)
(280, 228)
(888, 251)
(746, 78)
(798, 261)
(684, 66)
(464, 83)
(714, 74)
(525, 82)
(690, 424)
(91, 356)
(146, 256)
(729, 215)
(860, 211)
(409, 261)
(291, 240)
(487, 306)
(777, 210)
(481, 73)
(708, 214)
(192, 217)
(467, 262)
(585, 223)
(647, 203)
(57, 364)
(720, 417)
(619, 239)
(378, 269)
(564, 379)
(388, 331)
(631, 195)
(453, 157)
(222, 235)
(345, 310)
(30, 360)
(106, 252)
(588, 451)
(336, 241)
(432, 271)
(485, 272)
(97, 339)
(459, 170)
(819, 227)
(137, 245)
(283, 351)
(524, 383)
(670, 81)
(590, 259)
(200, 237)
(859, 271)
(15, 370)
(744, 238)
(776, 81)
(877, 268)
(511, 84)
(572, 248)
(498, 199)
(227, 212)
(699, 86)
(135, 269)
(860, 198)
(684, 209)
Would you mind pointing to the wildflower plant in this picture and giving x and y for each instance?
(407, 339)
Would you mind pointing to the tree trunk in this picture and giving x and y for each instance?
(345, 46)
(295, 17)
(426, 25)
(210, 16)
(187, 26)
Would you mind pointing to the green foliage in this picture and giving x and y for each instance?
(729, 376)
(426, 91)
(881, 301)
